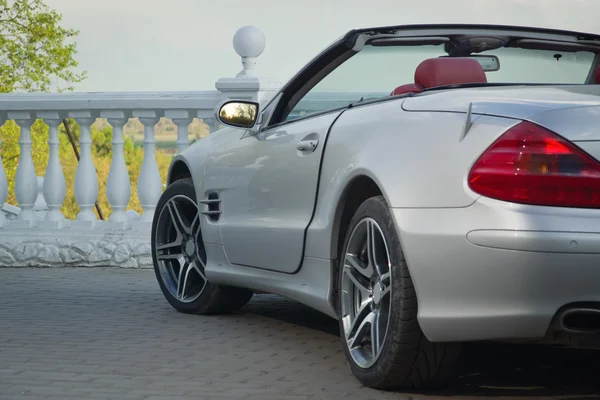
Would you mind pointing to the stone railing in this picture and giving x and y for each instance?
(34, 238)
(36, 233)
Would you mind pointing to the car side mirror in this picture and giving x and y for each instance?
(238, 113)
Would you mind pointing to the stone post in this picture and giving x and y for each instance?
(249, 44)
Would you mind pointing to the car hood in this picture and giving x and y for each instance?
(572, 111)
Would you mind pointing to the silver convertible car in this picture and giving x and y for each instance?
(425, 185)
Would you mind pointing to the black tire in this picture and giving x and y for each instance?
(213, 299)
(407, 359)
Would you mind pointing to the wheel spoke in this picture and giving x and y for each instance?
(359, 266)
(178, 223)
(362, 320)
(375, 335)
(201, 262)
(176, 257)
(181, 286)
(199, 270)
(359, 281)
(385, 279)
(387, 284)
(386, 290)
(372, 233)
(174, 244)
(195, 225)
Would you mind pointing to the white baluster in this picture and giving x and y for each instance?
(26, 185)
(40, 205)
(149, 184)
(213, 124)
(54, 188)
(86, 181)
(183, 140)
(118, 186)
(3, 186)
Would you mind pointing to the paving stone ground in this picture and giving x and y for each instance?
(108, 333)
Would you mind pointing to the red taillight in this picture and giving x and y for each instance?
(531, 165)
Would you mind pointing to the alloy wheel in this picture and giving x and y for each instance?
(366, 287)
(180, 255)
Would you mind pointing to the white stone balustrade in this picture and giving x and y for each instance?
(123, 239)
(32, 238)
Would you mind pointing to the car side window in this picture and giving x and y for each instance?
(372, 73)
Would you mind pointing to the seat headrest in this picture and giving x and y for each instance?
(409, 88)
(449, 71)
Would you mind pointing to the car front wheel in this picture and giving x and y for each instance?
(383, 342)
(180, 259)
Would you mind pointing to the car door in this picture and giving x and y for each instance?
(269, 180)
(269, 195)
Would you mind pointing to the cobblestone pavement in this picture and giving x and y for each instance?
(108, 333)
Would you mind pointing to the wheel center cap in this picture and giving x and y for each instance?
(190, 248)
(377, 289)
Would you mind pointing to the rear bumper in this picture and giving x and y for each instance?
(499, 271)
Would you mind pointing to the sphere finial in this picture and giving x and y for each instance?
(249, 42)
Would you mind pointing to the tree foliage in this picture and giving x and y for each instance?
(34, 48)
(34, 51)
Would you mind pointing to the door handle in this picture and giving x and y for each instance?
(307, 145)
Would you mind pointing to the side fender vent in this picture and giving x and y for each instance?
(213, 206)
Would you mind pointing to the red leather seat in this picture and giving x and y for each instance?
(597, 76)
(444, 71)
(408, 88)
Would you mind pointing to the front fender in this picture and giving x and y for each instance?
(194, 159)
(178, 169)
(193, 162)
(190, 163)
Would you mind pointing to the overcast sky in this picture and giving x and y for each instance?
(187, 44)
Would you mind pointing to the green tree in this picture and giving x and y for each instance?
(34, 51)
(34, 48)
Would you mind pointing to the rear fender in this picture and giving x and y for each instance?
(417, 159)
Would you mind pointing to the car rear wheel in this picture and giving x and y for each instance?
(383, 342)
(180, 259)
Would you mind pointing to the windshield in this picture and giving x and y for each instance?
(378, 70)
(381, 71)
